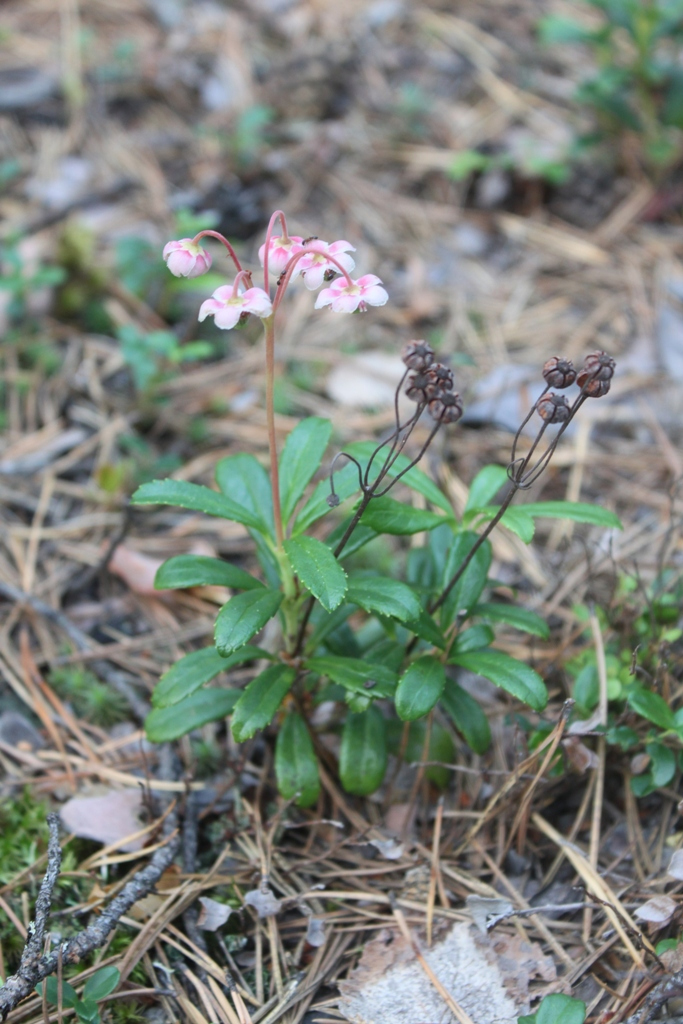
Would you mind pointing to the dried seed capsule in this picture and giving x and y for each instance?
(417, 355)
(597, 388)
(553, 408)
(559, 372)
(440, 379)
(446, 407)
(597, 367)
(416, 387)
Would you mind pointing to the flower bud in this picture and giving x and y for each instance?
(559, 372)
(446, 407)
(417, 355)
(186, 258)
(597, 367)
(553, 408)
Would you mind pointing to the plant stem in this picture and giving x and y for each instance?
(221, 238)
(269, 327)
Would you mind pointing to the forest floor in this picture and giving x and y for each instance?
(119, 118)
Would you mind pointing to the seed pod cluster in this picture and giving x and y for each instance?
(431, 383)
(595, 376)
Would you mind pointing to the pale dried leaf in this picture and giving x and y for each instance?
(675, 868)
(483, 907)
(264, 902)
(315, 932)
(659, 910)
(388, 848)
(639, 764)
(213, 914)
(579, 755)
(135, 569)
(106, 818)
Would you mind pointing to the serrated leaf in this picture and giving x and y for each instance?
(485, 486)
(467, 715)
(165, 724)
(355, 674)
(243, 479)
(196, 498)
(651, 706)
(259, 702)
(419, 688)
(385, 597)
(511, 675)
(300, 459)
(427, 629)
(101, 984)
(384, 515)
(361, 536)
(467, 591)
(296, 766)
(414, 478)
(363, 754)
(318, 570)
(577, 511)
(202, 571)
(243, 616)
(473, 638)
(195, 670)
(345, 484)
(520, 618)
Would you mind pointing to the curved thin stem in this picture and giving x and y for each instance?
(286, 275)
(266, 252)
(209, 233)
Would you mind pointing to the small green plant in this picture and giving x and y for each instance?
(150, 355)
(91, 699)
(553, 167)
(376, 645)
(17, 278)
(638, 85)
(96, 988)
(557, 1009)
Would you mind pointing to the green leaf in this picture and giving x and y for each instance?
(559, 1009)
(473, 638)
(197, 499)
(441, 748)
(651, 706)
(165, 724)
(318, 570)
(520, 618)
(419, 688)
(69, 995)
(345, 484)
(195, 670)
(361, 536)
(102, 984)
(466, 162)
(467, 591)
(384, 515)
(363, 754)
(414, 478)
(243, 616)
(556, 29)
(296, 766)
(201, 571)
(511, 675)
(260, 700)
(300, 459)
(467, 715)
(485, 486)
(242, 479)
(385, 597)
(578, 511)
(663, 763)
(427, 629)
(516, 519)
(355, 674)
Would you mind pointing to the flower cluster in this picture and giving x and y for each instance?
(315, 261)
(431, 383)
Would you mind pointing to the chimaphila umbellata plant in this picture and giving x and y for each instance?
(375, 645)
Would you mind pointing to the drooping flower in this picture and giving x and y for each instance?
(280, 251)
(186, 258)
(227, 305)
(347, 298)
(315, 265)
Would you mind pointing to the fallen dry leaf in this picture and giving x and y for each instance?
(264, 902)
(315, 932)
(106, 818)
(579, 755)
(675, 868)
(213, 914)
(135, 569)
(659, 910)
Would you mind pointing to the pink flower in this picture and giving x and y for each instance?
(315, 264)
(186, 258)
(226, 305)
(347, 298)
(280, 251)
